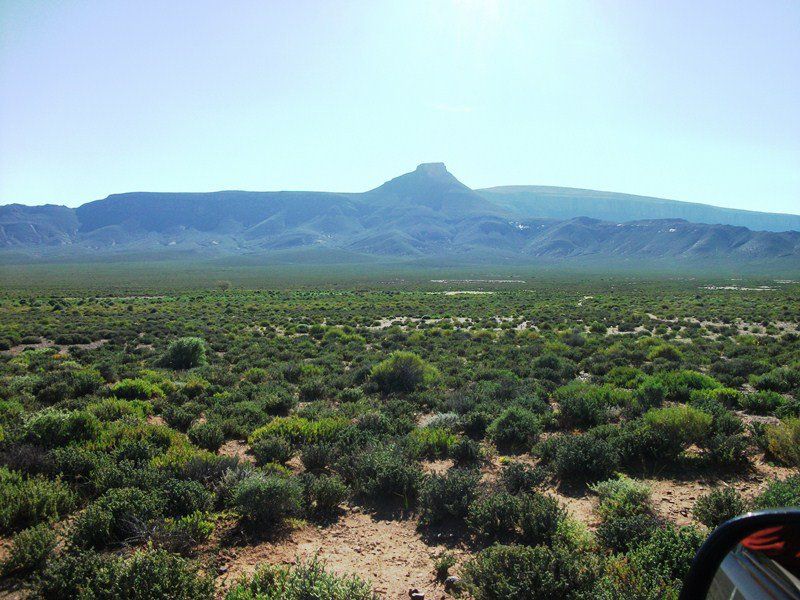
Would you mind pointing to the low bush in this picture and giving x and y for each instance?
(266, 500)
(761, 403)
(526, 518)
(324, 494)
(27, 501)
(621, 534)
(304, 581)
(183, 498)
(465, 452)
(718, 506)
(518, 477)
(53, 428)
(114, 517)
(655, 569)
(622, 497)
(449, 495)
(146, 574)
(584, 458)
(136, 389)
(515, 430)
(185, 353)
(271, 449)
(385, 474)
(29, 550)
(780, 494)
(402, 372)
(783, 441)
(430, 442)
(535, 573)
(208, 435)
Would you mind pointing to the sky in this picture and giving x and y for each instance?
(689, 100)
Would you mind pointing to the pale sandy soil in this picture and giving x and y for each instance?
(389, 553)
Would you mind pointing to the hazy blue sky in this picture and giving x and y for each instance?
(693, 100)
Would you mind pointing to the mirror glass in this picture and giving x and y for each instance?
(765, 564)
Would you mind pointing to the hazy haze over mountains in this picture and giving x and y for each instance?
(424, 213)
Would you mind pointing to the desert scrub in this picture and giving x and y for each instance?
(526, 518)
(185, 353)
(515, 430)
(26, 501)
(780, 494)
(144, 574)
(783, 441)
(430, 442)
(402, 372)
(622, 497)
(264, 501)
(303, 581)
(385, 474)
(115, 516)
(30, 549)
(535, 573)
(324, 493)
(449, 495)
(718, 506)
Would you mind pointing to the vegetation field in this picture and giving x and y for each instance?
(224, 436)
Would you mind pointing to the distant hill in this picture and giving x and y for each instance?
(425, 214)
(567, 203)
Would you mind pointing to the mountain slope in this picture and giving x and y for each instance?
(566, 203)
(425, 214)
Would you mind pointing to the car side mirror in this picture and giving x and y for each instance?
(750, 557)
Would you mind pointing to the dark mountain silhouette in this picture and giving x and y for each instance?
(427, 213)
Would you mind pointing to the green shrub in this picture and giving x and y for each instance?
(115, 516)
(684, 423)
(783, 441)
(516, 429)
(146, 574)
(780, 379)
(324, 493)
(430, 442)
(183, 498)
(113, 409)
(622, 497)
(465, 452)
(402, 372)
(584, 458)
(316, 457)
(718, 506)
(780, 494)
(448, 496)
(584, 405)
(533, 573)
(762, 402)
(266, 500)
(29, 550)
(385, 474)
(518, 477)
(656, 568)
(304, 581)
(621, 534)
(52, 428)
(299, 430)
(27, 501)
(136, 389)
(525, 518)
(442, 565)
(271, 450)
(182, 534)
(185, 353)
(678, 385)
(207, 435)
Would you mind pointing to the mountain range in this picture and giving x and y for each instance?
(426, 213)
